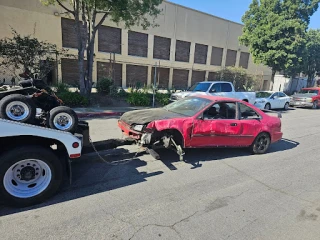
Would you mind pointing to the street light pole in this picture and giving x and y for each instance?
(154, 84)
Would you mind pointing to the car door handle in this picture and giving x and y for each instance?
(233, 124)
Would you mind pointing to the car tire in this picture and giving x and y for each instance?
(286, 106)
(63, 118)
(261, 143)
(26, 109)
(29, 175)
(267, 106)
(315, 105)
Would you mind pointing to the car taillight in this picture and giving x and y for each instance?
(75, 145)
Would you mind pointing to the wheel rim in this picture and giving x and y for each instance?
(262, 143)
(315, 104)
(267, 107)
(62, 121)
(17, 111)
(286, 106)
(27, 178)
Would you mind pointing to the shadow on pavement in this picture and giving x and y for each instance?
(92, 176)
(196, 156)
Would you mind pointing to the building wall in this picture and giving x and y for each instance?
(190, 32)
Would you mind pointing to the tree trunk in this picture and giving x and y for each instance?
(272, 79)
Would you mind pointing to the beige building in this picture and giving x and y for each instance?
(188, 46)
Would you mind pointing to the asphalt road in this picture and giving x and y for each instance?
(217, 194)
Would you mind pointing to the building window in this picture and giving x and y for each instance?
(231, 58)
(216, 56)
(213, 76)
(137, 76)
(244, 60)
(109, 39)
(180, 79)
(200, 54)
(137, 44)
(162, 77)
(69, 34)
(161, 48)
(108, 70)
(182, 51)
(70, 71)
(198, 76)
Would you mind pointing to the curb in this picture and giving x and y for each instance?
(98, 114)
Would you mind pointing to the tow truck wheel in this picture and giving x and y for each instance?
(29, 175)
(17, 107)
(64, 119)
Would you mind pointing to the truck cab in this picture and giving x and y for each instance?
(215, 88)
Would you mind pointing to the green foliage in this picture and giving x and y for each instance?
(90, 14)
(73, 99)
(311, 63)
(275, 31)
(61, 87)
(28, 55)
(104, 85)
(162, 98)
(239, 77)
(139, 98)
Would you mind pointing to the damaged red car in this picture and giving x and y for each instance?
(203, 122)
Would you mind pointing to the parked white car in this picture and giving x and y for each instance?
(215, 88)
(272, 100)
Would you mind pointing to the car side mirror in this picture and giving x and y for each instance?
(201, 117)
(213, 90)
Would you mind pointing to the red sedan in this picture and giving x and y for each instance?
(201, 122)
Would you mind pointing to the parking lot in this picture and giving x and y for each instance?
(215, 194)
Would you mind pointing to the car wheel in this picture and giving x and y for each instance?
(29, 175)
(17, 107)
(261, 143)
(267, 106)
(286, 106)
(315, 105)
(64, 119)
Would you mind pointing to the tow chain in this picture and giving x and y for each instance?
(113, 163)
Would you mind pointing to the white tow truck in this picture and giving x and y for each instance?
(34, 161)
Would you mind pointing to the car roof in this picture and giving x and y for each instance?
(217, 98)
(214, 82)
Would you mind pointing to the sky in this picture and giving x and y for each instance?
(231, 9)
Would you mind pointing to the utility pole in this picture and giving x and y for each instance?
(154, 84)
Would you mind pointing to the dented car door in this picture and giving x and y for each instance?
(216, 127)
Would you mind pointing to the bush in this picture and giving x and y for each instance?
(104, 85)
(162, 98)
(73, 99)
(61, 87)
(137, 98)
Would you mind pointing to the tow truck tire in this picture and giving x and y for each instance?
(17, 107)
(29, 175)
(63, 118)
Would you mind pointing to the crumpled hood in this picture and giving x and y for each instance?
(147, 115)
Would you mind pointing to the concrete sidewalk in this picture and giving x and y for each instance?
(103, 111)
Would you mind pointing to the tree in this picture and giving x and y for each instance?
(275, 31)
(311, 61)
(89, 16)
(27, 56)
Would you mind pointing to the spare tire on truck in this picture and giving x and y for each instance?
(29, 175)
(17, 107)
(64, 119)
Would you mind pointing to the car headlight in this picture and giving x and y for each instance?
(138, 128)
(308, 99)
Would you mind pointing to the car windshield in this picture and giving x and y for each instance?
(263, 94)
(200, 87)
(310, 91)
(188, 106)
